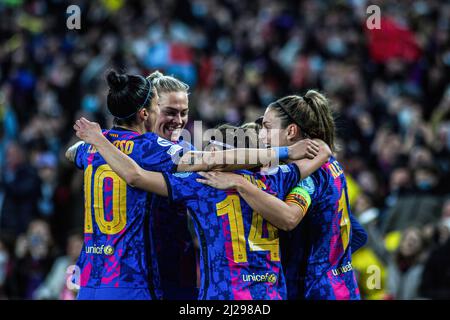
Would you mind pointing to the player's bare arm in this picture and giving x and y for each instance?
(238, 159)
(283, 215)
(227, 160)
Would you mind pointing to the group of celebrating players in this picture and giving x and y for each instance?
(263, 231)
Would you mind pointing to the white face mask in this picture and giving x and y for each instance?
(3, 262)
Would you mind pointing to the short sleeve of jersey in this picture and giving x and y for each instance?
(182, 186)
(286, 176)
(158, 154)
(80, 155)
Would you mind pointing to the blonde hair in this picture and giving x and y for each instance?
(166, 84)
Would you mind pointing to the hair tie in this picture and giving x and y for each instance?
(142, 106)
(148, 93)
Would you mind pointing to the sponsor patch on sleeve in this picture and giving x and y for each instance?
(174, 149)
(308, 185)
(182, 174)
(163, 142)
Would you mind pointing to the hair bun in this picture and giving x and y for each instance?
(154, 75)
(116, 81)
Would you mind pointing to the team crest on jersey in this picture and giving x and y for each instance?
(163, 142)
(182, 174)
(308, 185)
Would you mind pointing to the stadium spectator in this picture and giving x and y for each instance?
(436, 276)
(405, 267)
(34, 253)
(21, 188)
(55, 284)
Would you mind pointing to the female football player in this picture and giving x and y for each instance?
(118, 260)
(317, 253)
(240, 253)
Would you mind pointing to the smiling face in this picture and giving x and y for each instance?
(173, 114)
(271, 133)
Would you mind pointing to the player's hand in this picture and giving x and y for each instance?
(305, 148)
(220, 180)
(89, 132)
(324, 148)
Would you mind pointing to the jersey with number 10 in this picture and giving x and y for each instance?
(118, 250)
(239, 250)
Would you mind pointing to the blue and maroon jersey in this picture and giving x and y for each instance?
(239, 250)
(319, 265)
(174, 247)
(118, 251)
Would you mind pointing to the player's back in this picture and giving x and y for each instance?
(239, 250)
(328, 270)
(117, 252)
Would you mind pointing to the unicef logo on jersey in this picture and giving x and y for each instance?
(308, 185)
(272, 278)
(267, 277)
(163, 142)
(107, 250)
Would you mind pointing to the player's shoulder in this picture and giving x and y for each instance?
(153, 140)
(318, 180)
(185, 179)
(82, 147)
(310, 184)
(148, 137)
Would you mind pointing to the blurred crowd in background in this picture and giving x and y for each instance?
(390, 90)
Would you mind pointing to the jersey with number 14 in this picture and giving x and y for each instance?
(239, 250)
(118, 250)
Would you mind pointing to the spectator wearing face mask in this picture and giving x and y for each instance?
(417, 207)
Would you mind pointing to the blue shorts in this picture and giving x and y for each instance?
(86, 293)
